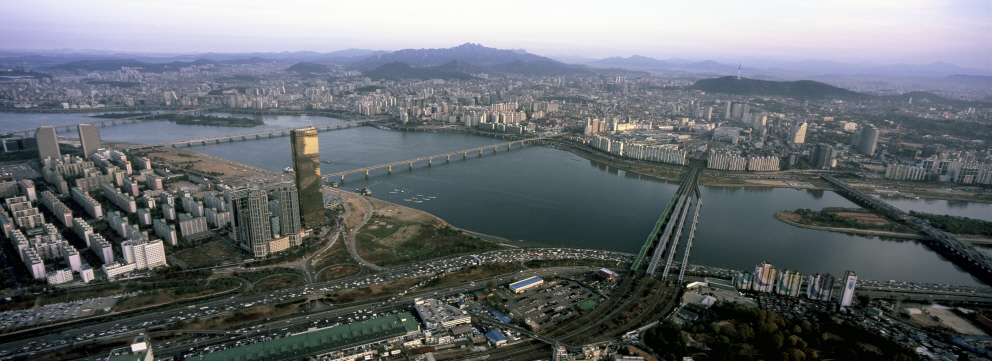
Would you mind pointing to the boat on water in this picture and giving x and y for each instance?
(288, 170)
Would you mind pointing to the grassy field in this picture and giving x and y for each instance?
(575, 262)
(474, 273)
(165, 296)
(245, 317)
(277, 283)
(209, 254)
(397, 235)
(362, 294)
(338, 272)
(255, 276)
(335, 255)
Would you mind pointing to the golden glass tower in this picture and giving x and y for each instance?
(306, 165)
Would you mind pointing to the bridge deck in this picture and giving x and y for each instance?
(975, 258)
(105, 121)
(241, 135)
(411, 161)
(675, 211)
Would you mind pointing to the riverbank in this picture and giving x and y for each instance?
(786, 179)
(673, 173)
(787, 218)
(205, 165)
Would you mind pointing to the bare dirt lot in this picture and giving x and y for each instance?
(864, 218)
(216, 252)
(203, 164)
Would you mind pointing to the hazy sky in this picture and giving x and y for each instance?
(881, 31)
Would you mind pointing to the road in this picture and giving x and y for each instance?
(353, 232)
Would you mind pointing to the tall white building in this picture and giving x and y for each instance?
(144, 254)
(86, 272)
(850, 281)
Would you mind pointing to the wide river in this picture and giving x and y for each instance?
(544, 196)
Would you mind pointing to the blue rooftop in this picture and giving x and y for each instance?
(500, 316)
(495, 335)
(526, 282)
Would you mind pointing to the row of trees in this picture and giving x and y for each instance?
(957, 225)
(735, 332)
(254, 276)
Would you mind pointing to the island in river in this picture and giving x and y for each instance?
(186, 119)
(861, 221)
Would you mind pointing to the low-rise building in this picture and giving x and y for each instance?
(59, 276)
(521, 286)
(86, 272)
(165, 231)
(437, 315)
(191, 226)
(115, 269)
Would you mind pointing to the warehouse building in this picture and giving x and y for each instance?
(521, 286)
(320, 342)
(436, 314)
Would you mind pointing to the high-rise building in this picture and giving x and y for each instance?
(797, 135)
(306, 166)
(287, 198)
(249, 219)
(764, 277)
(89, 136)
(823, 156)
(847, 295)
(819, 287)
(868, 140)
(48, 143)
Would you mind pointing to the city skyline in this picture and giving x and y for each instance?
(915, 32)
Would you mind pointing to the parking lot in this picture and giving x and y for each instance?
(20, 171)
(54, 312)
(549, 303)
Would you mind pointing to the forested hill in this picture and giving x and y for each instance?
(802, 89)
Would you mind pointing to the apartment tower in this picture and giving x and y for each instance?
(48, 143)
(89, 136)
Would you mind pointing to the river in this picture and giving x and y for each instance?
(546, 196)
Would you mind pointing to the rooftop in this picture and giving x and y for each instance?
(319, 342)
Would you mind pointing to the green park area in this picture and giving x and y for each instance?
(397, 235)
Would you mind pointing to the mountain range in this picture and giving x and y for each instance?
(466, 60)
(782, 68)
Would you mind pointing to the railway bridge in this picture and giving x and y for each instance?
(963, 254)
(662, 243)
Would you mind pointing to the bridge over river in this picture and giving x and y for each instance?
(245, 136)
(112, 121)
(667, 231)
(430, 159)
(963, 254)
